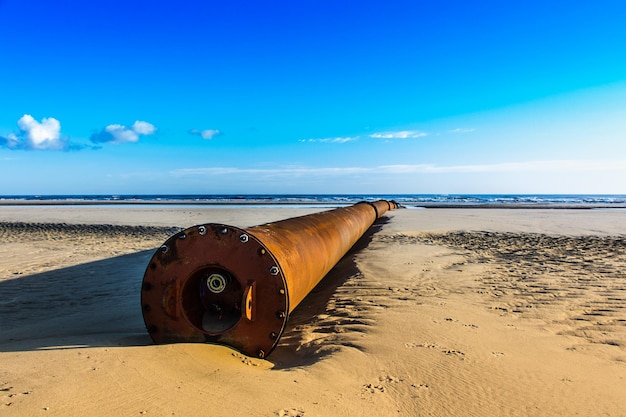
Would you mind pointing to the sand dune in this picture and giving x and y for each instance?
(433, 313)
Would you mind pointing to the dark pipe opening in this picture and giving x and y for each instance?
(211, 300)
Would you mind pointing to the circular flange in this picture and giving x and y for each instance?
(250, 311)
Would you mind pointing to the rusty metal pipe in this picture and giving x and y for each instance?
(222, 284)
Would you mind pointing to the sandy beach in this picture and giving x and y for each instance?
(435, 312)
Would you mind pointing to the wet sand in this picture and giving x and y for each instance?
(435, 312)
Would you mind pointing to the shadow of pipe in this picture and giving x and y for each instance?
(91, 304)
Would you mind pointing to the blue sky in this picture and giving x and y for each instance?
(145, 97)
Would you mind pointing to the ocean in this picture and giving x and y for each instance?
(406, 200)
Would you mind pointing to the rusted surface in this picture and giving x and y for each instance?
(221, 284)
(381, 207)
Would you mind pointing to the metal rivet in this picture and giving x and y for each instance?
(274, 270)
(261, 251)
(273, 335)
(165, 249)
(260, 354)
(202, 230)
(280, 314)
(243, 238)
(182, 236)
(281, 291)
(224, 231)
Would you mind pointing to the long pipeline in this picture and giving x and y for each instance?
(222, 284)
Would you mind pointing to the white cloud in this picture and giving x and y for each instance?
(121, 134)
(402, 134)
(288, 171)
(331, 140)
(206, 134)
(143, 128)
(12, 141)
(528, 166)
(44, 135)
(462, 130)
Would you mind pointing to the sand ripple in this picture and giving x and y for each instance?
(577, 283)
(17, 231)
